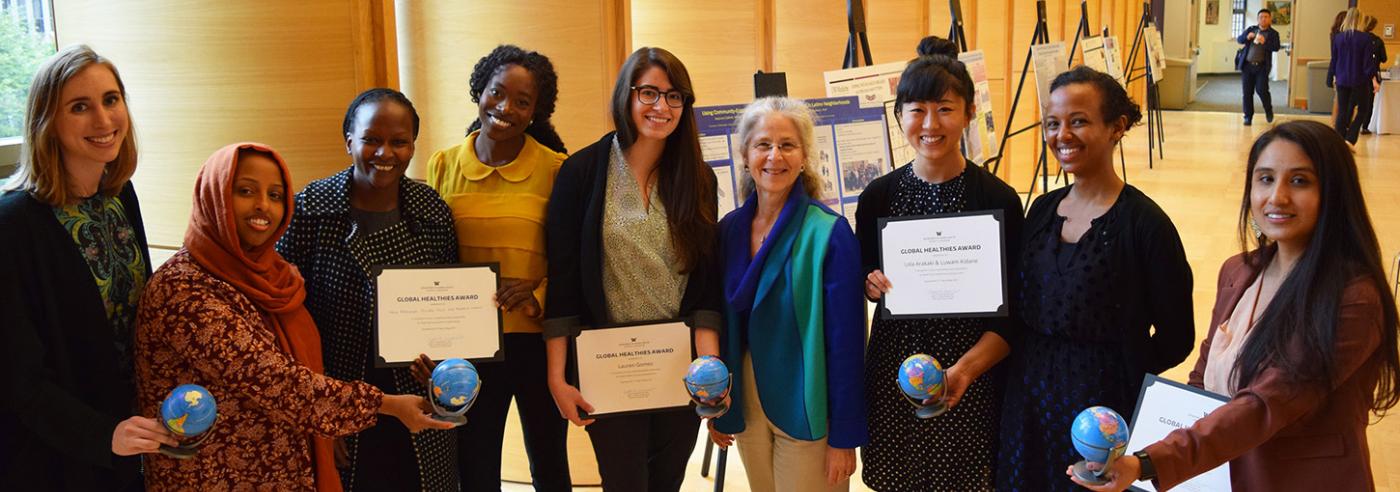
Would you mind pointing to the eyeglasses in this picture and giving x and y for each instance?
(647, 94)
(786, 148)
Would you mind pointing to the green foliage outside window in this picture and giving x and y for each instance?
(20, 55)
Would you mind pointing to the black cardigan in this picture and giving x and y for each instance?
(984, 192)
(63, 394)
(574, 297)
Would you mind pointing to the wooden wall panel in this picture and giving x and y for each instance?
(203, 75)
(896, 26)
(808, 41)
(441, 40)
(720, 43)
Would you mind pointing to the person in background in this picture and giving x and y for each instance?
(1303, 334)
(226, 312)
(1260, 42)
(1380, 57)
(497, 183)
(631, 237)
(795, 328)
(75, 262)
(1353, 69)
(344, 225)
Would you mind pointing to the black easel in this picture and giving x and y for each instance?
(1155, 135)
(857, 44)
(1042, 35)
(956, 33)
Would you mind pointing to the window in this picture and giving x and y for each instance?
(1238, 11)
(26, 38)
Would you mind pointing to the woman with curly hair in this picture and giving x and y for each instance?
(497, 183)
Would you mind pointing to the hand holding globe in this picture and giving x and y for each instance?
(187, 412)
(1100, 435)
(455, 384)
(921, 380)
(708, 381)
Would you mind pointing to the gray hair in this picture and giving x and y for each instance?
(801, 116)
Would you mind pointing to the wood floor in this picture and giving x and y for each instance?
(1199, 184)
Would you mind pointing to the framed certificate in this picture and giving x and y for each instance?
(944, 266)
(1164, 406)
(443, 311)
(634, 368)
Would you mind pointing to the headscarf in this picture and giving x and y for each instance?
(270, 282)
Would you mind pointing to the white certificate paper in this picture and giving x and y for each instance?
(950, 265)
(633, 369)
(443, 311)
(1164, 406)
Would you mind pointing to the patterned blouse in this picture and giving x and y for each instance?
(195, 328)
(639, 261)
(108, 244)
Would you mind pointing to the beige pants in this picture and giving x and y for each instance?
(773, 460)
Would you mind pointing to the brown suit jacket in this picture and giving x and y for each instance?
(1278, 435)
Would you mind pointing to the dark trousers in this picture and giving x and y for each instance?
(1353, 101)
(522, 376)
(645, 452)
(1255, 79)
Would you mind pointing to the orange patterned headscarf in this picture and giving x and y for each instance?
(270, 282)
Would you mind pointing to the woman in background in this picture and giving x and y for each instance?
(1353, 71)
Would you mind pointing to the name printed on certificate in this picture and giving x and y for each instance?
(950, 265)
(1164, 406)
(633, 369)
(443, 311)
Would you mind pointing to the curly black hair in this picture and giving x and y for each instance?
(375, 95)
(546, 82)
(1113, 99)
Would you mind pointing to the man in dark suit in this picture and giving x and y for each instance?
(1255, 61)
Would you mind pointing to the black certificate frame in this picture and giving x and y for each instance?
(573, 377)
(377, 270)
(996, 214)
(1149, 379)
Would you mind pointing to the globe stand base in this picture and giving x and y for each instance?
(711, 411)
(1084, 474)
(931, 411)
(179, 452)
(453, 416)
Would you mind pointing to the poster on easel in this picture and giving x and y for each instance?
(1091, 51)
(851, 146)
(875, 85)
(1048, 60)
(1113, 58)
(980, 137)
(1156, 57)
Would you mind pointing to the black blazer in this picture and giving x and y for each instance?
(574, 246)
(62, 392)
(984, 192)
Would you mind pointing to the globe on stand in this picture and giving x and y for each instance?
(708, 381)
(1100, 435)
(920, 379)
(188, 412)
(455, 386)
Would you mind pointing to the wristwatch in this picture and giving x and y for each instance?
(1146, 471)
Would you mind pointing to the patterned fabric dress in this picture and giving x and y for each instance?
(108, 244)
(336, 255)
(957, 450)
(195, 328)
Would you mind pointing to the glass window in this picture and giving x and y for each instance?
(26, 38)
(1237, 16)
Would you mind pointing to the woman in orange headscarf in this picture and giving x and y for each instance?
(226, 313)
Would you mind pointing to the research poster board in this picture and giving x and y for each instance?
(1091, 51)
(852, 149)
(875, 85)
(1113, 58)
(1156, 57)
(1049, 60)
(979, 140)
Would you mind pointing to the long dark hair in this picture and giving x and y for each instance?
(546, 84)
(686, 183)
(1343, 247)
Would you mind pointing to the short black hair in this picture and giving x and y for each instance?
(546, 86)
(1264, 11)
(375, 95)
(928, 78)
(934, 45)
(1113, 99)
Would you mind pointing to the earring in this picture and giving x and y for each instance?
(1254, 228)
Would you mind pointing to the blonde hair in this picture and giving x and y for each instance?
(801, 116)
(1353, 20)
(41, 172)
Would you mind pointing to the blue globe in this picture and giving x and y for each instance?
(921, 377)
(707, 379)
(1099, 434)
(455, 383)
(189, 410)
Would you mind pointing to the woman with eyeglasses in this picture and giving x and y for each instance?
(631, 237)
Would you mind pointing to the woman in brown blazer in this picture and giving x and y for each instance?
(1303, 335)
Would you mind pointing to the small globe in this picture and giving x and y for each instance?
(1099, 433)
(455, 383)
(188, 410)
(707, 379)
(921, 377)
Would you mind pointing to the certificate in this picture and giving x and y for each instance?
(443, 311)
(633, 369)
(1164, 406)
(948, 265)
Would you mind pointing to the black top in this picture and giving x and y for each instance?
(574, 242)
(63, 389)
(984, 192)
